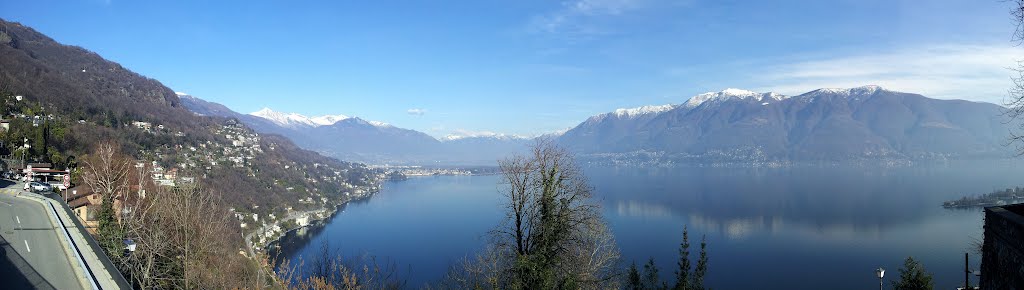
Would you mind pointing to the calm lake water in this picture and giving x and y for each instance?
(796, 228)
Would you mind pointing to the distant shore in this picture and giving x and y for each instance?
(995, 198)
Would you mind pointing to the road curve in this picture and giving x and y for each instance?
(28, 232)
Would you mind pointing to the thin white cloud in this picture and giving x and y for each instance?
(416, 112)
(970, 72)
(573, 16)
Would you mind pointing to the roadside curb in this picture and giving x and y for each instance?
(99, 272)
(65, 239)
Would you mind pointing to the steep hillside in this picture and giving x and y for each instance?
(85, 99)
(80, 83)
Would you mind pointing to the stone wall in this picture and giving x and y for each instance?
(1002, 261)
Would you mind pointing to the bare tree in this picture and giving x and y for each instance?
(329, 270)
(595, 259)
(184, 236)
(199, 227)
(484, 271)
(1014, 101)
(553, 235)
(150, 265)
(107, 170)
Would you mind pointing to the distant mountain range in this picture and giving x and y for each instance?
(863, 123)
(824, 125)
(90, 100)
(355, 139)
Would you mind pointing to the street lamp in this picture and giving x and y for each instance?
(880, 273)
(129, 247)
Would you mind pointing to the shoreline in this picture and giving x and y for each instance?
(275, 239)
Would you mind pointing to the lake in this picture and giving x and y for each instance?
(797, 228)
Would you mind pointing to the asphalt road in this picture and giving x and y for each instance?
(26, 229)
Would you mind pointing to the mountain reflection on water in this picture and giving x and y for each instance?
(763, 224)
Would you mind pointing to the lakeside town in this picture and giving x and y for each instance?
(419, 171)
(181, 165)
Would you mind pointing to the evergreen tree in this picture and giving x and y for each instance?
(913, 276)
(108, 231)
(651, 280)
(633, 281)
(683, 273)
(702, 265)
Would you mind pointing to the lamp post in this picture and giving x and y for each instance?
(880, 273)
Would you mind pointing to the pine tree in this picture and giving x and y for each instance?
(702, 265)
(651, 280)
(108, 231)
(913, 276)
(683, 273)
(633, 281)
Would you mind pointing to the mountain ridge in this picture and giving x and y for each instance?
(732, 125)
(867, 122)
(353, 138)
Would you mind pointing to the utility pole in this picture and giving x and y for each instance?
(967, 272)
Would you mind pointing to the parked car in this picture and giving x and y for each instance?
(39, 187)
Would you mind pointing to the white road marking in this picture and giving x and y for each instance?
(17, 218)
(26, 246)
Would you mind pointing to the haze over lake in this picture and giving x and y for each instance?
(805, 227)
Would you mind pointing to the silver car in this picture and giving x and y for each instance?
(39, 187)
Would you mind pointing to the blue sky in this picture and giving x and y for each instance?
(529, 67)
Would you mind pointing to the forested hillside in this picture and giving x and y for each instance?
(88, 99)
(64, 100)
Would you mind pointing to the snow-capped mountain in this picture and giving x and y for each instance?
(729, 94)
(327, 119)
(693, 102)
(867, 122)
(486, 147)
(843, 93)
(294, 120)
(641, 111)
(379, 124)
(291, 120)
(354, 139)
(731, 125)
(482, 135)
(608, 131)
